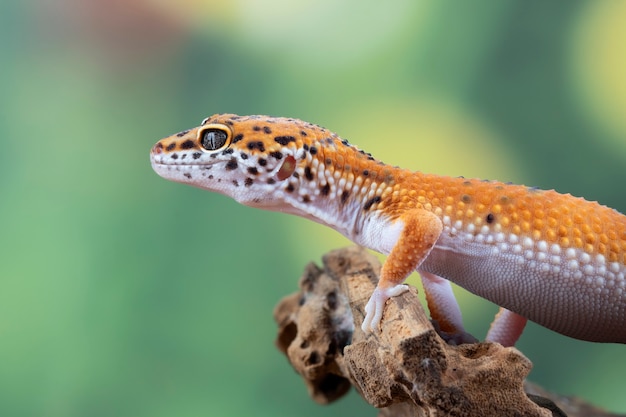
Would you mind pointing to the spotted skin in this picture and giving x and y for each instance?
(552, 258)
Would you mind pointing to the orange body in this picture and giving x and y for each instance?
(540, 255)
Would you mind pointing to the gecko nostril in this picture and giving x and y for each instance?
(158, 148)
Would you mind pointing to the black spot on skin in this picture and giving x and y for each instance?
(325, 189)
(295, 175)
(213, 155)
(174, 156)
(466, 198)
(256, 128)
(232, 164)
(244, 155)
(248, 182)
(345, 142)
(171, 146)
(365, 172)
(490, 218)
(228, 151)
(271, 181)
(267, 130)
(187, 175)
(196, 155)
(188, 144)
(290, 188)
(306, 199)
(237, 137)
(308, 174)
(303, 133)
(284, 140)
(256, 145)
(235, 183)
(229, 123)
(369, 203)
(313, 150)
(328, 162)
(262, 162)
(183, 133)
(253, 171)
(344, 197)
(276, 154)
(305, 147)
(211, 176)
(184, 156)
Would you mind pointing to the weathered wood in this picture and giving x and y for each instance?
(406, 368)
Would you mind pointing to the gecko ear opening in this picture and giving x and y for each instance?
(287, 168)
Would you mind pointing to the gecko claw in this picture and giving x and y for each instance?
(376, 304)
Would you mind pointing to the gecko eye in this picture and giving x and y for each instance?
(214, 137)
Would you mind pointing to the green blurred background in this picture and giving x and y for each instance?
(122, 294)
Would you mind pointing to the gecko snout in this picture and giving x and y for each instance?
(157, 148)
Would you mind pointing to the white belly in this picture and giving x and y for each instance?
(568, 291)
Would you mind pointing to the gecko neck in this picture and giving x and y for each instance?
(340, 186)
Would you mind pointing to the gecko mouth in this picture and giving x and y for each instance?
(181, 160)
(161, 166)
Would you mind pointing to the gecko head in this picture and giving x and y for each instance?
(253, 159)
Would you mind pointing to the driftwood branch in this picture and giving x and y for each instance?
(406, 369)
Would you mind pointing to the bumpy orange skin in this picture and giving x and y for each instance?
(541, 215)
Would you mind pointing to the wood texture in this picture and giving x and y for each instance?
(406, 368)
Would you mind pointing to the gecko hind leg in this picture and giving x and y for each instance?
(506, 328)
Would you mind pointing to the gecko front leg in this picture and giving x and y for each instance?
(420, 232)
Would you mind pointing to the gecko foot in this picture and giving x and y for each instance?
(376, 304)
(455, 339)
